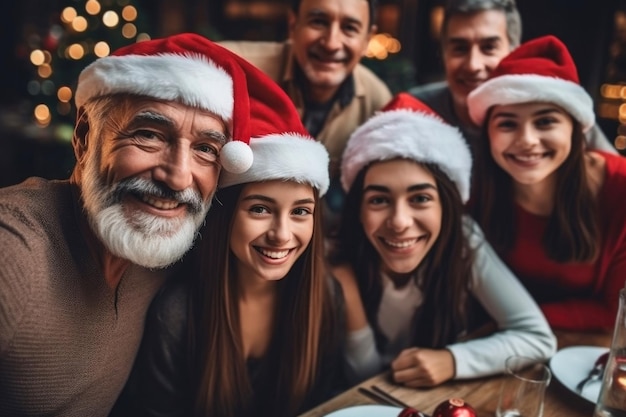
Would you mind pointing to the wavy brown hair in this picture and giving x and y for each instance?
(303, 318)
(446, 269)
(572, 234)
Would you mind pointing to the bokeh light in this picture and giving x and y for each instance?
(80, 24)
(129, 13)
(92, 7)
(68, 15)
(101, 49)
(37, 57)
(64, 94)
(110, 19)
(129, 30)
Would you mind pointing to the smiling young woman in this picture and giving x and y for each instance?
(551, 207)
(417, 274)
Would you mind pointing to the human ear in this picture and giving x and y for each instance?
(291, 22)
(79, 139)
(370, 33)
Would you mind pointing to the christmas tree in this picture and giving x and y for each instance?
(79, 33)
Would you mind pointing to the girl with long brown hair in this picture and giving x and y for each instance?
(417, 275)
(552, 209)
(257, 329)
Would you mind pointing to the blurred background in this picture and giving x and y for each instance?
(46, 43)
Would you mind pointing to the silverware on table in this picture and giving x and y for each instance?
(596, 372)
(380, 396)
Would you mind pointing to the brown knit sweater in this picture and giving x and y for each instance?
(67, 341)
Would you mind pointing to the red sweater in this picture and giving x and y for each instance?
(577, 296)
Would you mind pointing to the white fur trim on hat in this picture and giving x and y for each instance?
(189, 78)
(526, 88)
(411, 135)
(284, 156)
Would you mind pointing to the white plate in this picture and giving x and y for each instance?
(367, 411)
(572, 364)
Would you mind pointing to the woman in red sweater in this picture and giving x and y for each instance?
(553, 209)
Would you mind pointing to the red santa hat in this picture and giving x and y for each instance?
(407, 128)
(540, 70)
(195, 71)
(291, 156)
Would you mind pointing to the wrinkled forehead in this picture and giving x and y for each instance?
(355, 10)
(475, 26)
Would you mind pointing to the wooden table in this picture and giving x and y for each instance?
(481, 393)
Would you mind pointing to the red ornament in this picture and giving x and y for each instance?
(454, 407)
(410, 412)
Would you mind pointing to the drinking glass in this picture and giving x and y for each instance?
(612, 399)
(523, 389)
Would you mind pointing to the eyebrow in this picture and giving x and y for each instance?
(411, 188)
(215, 136)
(166, 122)
(458, 40)
(322, 13)
(152, 117)
(273, 201)
(541, 112)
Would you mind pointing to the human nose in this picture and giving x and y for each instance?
(400, 218)
(279, 232)
(332, 38)
(527, 136)
(475, 60)
(175, 168)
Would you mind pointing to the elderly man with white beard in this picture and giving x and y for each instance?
(81, 259)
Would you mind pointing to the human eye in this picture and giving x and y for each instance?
(318, 22)
(458, 49)
(421, 198)
(351, 28)
(489, 48)
(146, 134)
(258, 210)
(377, 200)
(208, 152)
(301, 211)
(506, 124)
(545, 122)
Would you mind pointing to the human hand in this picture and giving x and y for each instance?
(417, 367)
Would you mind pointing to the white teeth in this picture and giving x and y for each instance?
(274, 254)
(528, 158)
(160, 204)
(400, 245)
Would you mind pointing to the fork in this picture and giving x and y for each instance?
(595, 373)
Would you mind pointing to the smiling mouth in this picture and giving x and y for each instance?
(529, 158)
(273, 254)
(400, 244)
(472, 83)
(158, 203)
(328, 60)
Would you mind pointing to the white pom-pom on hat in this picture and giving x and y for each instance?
(236, 157)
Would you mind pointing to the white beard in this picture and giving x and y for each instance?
(142, 238)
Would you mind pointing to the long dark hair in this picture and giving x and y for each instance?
(446, 269)
(303, 317)
(572, 234)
